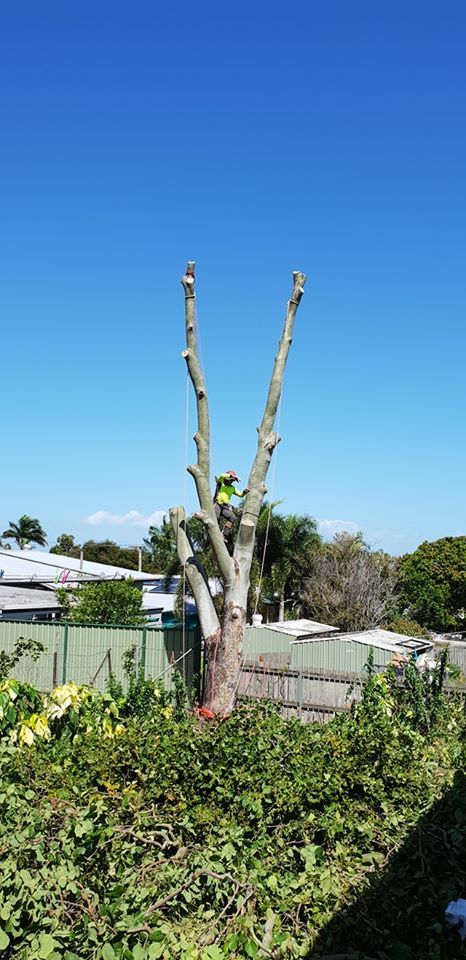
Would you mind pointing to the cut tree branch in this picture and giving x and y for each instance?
(267, 438)
(201, 470)
(195, 573)
(223, 644)
(202, 872)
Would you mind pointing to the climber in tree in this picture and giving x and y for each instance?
(224, 491)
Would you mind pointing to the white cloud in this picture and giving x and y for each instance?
(328, 528)
(131, 519)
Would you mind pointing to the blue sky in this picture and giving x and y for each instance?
(255, 139)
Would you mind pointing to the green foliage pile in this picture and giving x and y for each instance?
(248, 837)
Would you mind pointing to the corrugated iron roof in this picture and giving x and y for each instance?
(300, 628)
(38, 565)
(20, 598)
(381, 639)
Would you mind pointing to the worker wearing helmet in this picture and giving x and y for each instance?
(224, 491)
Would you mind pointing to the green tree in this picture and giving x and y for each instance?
(285, 544)
(410, 628)
(160, 544)
(66, 546)
(107, 551)
(433, 584)
(27, 530)
(109, 602)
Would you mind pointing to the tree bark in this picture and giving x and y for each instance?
(281, 608)
(224, 642)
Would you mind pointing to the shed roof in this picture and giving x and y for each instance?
(304, 629)
(21, 598)
(381, 639)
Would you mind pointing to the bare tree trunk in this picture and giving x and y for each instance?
(224, 642)
(281, 608)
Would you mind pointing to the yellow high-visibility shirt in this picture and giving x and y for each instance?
(226, 489)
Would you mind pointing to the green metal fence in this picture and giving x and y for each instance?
(88, 653)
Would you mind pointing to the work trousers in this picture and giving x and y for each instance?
(224, 510)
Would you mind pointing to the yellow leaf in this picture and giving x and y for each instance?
(25, 736)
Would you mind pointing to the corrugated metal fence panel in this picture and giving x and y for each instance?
(456, 653)
(158, 653)
(192, 672)
(86, 654)
(162, 647)
(172, 645)
(95, 651)
(39, 673)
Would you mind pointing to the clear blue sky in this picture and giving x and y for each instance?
(255, 138)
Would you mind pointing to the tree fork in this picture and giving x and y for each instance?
(223, 642)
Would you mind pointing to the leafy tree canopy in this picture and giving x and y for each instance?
(109, 602)
(66, 546)
(107, 551)
(160, 544)
(433, 583)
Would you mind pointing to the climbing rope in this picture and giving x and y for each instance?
(183, 614)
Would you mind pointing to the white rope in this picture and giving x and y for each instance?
(184, 508)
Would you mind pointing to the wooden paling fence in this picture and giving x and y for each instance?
(310, 694)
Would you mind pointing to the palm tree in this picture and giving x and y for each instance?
(27, 530)
(289, 542)
(160, 543)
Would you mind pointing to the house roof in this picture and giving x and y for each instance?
(381, 639)
(21, 598)
(37, 565)
(153, 600)
(301, 629)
